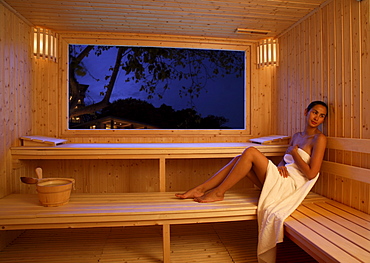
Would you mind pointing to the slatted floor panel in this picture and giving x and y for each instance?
(216, 242)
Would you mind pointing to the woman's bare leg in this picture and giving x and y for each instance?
(253, 177)
(211, 183)
(251, 163)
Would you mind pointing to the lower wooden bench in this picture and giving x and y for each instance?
(329, 231)
(126, 209)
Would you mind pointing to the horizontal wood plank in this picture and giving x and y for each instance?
(347, 171)
(349, 144)
(142, 150)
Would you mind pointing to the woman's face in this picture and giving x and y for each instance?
(316, 115)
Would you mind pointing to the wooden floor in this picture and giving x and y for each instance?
(216, 242)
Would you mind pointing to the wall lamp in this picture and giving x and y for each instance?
(44, 44)
(267, 52)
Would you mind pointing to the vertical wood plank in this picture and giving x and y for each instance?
(325, 61)
(356, 101)
(347, 70)
(166, 243)
(3, 101)
(162, 174)
(339, 68)
(332, 116)
(307, 63)
(365, 62)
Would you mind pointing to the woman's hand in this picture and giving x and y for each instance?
(291, 149)
(283, 171)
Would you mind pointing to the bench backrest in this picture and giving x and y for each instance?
(345, 172)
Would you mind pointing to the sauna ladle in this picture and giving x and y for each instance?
(32, 180)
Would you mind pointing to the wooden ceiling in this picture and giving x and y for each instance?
(206, 18)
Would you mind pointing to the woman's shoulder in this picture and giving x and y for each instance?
(320, 139)
(320, 136)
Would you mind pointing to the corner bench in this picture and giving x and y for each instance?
(331, 231)
(328, 230)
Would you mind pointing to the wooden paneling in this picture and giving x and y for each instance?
(346, 171)
(98, 176)
(46, 91)
(15, 90)
(326, 57)
(321, 58)
(203, 18)
(124, 176)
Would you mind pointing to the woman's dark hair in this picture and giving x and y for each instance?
(317, 102)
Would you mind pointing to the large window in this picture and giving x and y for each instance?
(123, 87)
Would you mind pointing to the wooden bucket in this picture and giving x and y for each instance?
(54, 191)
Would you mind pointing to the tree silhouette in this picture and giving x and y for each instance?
(154, 68)
(164, 117)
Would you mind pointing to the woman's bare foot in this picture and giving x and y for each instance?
(192, 193)
(212, 196)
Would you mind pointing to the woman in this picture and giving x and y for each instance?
(253, 164)
(283, 187)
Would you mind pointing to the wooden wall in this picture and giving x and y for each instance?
(35, 103)
(49, 119)
(15, 95)
(15, 89)
(326, 57)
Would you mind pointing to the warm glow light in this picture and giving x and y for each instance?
(44, 43)
(267, 52)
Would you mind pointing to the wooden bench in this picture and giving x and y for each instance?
(155, 151)
(330, 231)
(21, 211)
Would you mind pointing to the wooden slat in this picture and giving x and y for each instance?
(354, 212)
(349, 144)
(351, 219)
(330, 231)
(314, 244)
(85, 210)
(326, 219)
(347, 171)
(141, 150)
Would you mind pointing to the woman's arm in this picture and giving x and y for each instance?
(317, 156)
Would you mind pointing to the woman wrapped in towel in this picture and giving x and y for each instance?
(283, 187)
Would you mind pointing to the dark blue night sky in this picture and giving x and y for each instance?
(224, 97)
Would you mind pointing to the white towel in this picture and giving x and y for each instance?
(279, 198)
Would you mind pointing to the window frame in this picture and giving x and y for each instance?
(66, 132)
